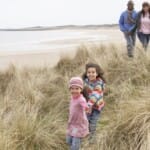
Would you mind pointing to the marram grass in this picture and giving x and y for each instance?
(34, 102)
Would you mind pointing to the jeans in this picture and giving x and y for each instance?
(93, 119)
(130, 39)
(73, 142)
(144, 39)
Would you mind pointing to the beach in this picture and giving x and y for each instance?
(40, 48)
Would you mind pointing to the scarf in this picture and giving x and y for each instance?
(130, 20)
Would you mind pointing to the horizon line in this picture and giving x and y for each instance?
(38, 27)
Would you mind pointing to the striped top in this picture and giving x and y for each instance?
(95, 92)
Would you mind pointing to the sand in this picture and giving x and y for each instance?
(61, 47)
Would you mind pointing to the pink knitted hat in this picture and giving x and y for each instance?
(76, 81)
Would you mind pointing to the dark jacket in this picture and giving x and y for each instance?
(138, 21)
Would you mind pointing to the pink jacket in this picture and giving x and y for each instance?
(78, 125)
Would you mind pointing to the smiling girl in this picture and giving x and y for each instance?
(94, 83)
(78, 123)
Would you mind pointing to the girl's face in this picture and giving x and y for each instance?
(75, 91)
(91, 73)
(146, 9)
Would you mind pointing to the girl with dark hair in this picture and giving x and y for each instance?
(143, 25)
(94, 84)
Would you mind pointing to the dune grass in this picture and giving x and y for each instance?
(34, 102)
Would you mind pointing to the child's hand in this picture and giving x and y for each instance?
(89, 110)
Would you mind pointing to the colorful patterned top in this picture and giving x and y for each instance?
(95, 92)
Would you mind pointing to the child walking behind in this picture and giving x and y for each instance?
(78, 126)
(94, 83)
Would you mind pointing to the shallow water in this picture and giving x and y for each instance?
(27, 41)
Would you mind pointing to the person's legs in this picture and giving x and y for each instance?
(144, 39)
(133, 36)
(76, 142)
(93, 122)
(139, 34)
(147, 38)
(133, 39)
(130, 39)
(69, 140)
(73, 142)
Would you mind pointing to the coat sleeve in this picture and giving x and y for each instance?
(121, 23)
(84, 104)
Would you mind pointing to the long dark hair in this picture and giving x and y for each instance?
(145, 4)
(99, 71)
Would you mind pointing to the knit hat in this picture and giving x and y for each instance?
(76, 81)
(130, 2)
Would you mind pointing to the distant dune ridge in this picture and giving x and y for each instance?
(40, 28)
(34, 102)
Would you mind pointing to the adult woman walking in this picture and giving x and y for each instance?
(143, 25)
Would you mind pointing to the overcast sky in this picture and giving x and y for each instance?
(24, 13)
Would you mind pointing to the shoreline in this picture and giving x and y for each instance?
(51, 28)
(61, 47)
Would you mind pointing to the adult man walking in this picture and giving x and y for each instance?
(127, 23)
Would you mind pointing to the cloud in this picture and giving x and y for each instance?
(20, 13)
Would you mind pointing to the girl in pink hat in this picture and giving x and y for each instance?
(78, 124)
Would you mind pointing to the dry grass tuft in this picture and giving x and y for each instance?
(34, 102)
